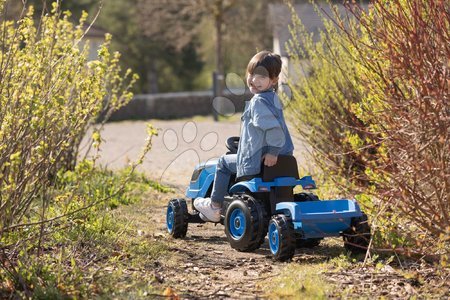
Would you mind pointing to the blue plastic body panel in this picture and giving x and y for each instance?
(257, 185)
(200, 186)
(315, 219)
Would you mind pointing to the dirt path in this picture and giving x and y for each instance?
(205, 265)
(209, 267)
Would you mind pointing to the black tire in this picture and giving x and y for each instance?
(177, 218)
(357, 237)
(281, 238)
(303, 197)
(245, 223)
(308, 243)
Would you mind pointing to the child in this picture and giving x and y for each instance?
(264, 134)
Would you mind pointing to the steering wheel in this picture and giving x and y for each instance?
(232, 144)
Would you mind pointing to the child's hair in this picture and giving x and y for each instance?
(265, 63)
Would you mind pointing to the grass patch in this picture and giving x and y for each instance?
(298, 281)
(98, 252)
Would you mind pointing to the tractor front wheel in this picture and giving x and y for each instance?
(177, 218)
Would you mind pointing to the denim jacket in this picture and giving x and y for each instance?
(263, 131)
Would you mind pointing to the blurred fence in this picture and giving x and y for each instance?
(180, 105)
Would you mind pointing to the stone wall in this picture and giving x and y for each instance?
(179, 105)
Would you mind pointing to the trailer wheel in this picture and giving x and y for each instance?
(281, 238)
(177, 218)
(357, 237)
(245, 223)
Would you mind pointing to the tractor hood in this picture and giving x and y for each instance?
(201, 179)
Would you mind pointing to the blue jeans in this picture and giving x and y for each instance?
(226, 166)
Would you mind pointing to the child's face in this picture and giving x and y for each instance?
(260, 83)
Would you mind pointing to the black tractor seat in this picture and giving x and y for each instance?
(286, 166)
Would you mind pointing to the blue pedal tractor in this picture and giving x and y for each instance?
(265, 205)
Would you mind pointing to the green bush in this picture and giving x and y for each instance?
(374, 107)
(327, 87)
(76, 236)
(50, 95)
(409, 54)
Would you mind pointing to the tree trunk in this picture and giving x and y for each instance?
(219, 76)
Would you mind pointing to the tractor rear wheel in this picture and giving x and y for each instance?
(245, 223)
(303, 197)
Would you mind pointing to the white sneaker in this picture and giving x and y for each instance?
(203, 217)
(204, 206)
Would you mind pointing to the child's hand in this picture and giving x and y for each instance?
(270, 160)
